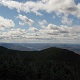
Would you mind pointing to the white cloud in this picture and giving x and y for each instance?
(65, 20)
(50, 33)
(42, 23)
(61, 32)
(13, 34)
(33, 29)
(6, 23)
(44, 1)
(21, 23)
(58, 6)
(25, 20)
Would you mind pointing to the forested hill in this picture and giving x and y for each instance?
(49, 64)
(52, 53)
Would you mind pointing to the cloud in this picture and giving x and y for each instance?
(6, 23)
(13, 34)
(44, 1)
(33, 29)
(65, 20)
(61, 32)
(58, 6)
(29, 6)
(25, 20)
(21, 23)
(42, 23)
(50, 33)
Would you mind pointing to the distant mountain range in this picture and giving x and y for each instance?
(39, 46)
(16, 47)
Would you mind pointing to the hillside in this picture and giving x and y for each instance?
(52, 63)
(46, 54)
(61, 54)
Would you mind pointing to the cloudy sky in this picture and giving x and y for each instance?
(40, 21)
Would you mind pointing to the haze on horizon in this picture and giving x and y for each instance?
(47, 21)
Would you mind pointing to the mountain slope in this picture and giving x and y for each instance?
(49, 64)
(61, 54)
(45, 55)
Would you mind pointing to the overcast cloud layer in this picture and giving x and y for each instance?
(31, 25)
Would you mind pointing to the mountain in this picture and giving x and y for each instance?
(60, 54)
(41, 46)
(52, 53)
(14, 46)
(48, 64)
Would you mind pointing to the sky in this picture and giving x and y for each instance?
(40, 21)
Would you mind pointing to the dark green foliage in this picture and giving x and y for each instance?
(48, 64)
